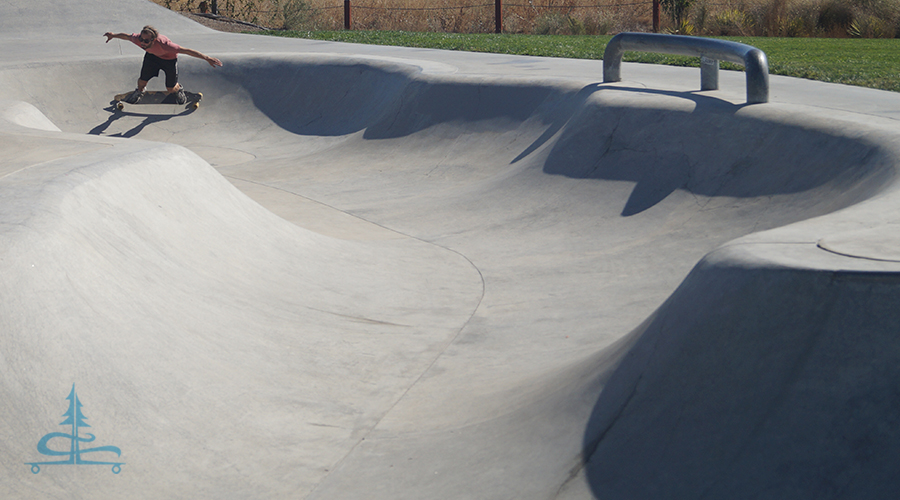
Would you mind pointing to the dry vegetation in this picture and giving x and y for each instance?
(797, 18)
(452, 16)
(789, 18)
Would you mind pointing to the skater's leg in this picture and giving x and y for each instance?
(172, 85)
(135, 96)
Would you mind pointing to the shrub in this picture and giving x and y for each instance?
(296, 14)
(772, 18)
(869, 26)
(835, 17)
(802, 19)
(677, 9)
(685, 28)
(733, 22)
(600, 23)
(555, 23)
(700, 16)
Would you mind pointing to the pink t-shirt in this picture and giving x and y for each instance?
(162, 47)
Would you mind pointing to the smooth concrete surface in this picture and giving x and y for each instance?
(388, 273)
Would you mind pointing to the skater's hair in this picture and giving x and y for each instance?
(150, 30)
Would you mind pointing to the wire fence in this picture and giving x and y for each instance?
(566, 17)
(532, 16)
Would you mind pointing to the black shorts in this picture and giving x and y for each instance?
(152, 65)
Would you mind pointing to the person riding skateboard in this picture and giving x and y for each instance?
(161, 54)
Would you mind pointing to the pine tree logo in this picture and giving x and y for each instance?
(76, 420)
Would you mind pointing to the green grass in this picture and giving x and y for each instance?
(866, 62)
(873, 63)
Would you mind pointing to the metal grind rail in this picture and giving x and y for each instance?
(710, 51)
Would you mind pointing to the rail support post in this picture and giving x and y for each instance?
(709, 73)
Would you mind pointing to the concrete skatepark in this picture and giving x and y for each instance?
(384, 273)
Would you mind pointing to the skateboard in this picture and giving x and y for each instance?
(159, 97)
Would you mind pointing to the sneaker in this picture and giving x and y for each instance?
(180, 98)
(134, 97)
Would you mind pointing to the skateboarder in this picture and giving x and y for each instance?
(161, 54)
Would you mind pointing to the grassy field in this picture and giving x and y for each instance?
(873, 63)
(865, 62)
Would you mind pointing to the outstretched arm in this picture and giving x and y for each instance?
(121, 36)
(193, 53)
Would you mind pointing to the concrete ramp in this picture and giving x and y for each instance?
(47, 20)
(372, 272)
(756, 378)
(127, 257)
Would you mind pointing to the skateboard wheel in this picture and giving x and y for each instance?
(120, 106)
(196, 105)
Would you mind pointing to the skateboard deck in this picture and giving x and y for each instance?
(159, 97)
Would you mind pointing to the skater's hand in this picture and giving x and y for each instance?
(199, 55)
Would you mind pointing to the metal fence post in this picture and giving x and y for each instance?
(656, 16)
(498, 16)
(346, 14)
